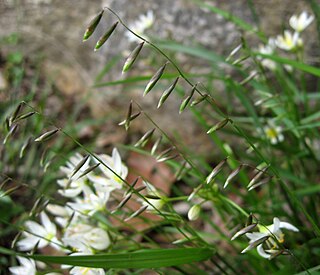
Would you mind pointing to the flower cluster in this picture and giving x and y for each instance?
(268, 239)
(88, 191)
(289, 41)
(144, 22)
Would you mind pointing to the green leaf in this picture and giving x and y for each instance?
(151, 258)
(295, 64)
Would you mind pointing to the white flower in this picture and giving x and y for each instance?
(85, 237)
(194, 212)
(272, 231)
(74, 186)
(27, 266)
(268, 49)
(289, 41)
(79, 270)
(62, 214)
(112, 180)
(273, 133)
(90, 203)
(140, 25)
(299, 23)
(39, 234)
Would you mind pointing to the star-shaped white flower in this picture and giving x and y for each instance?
(27, 266)
(267, 236)
(90, 203)
(299, 23)
(273, 133)
(145, 21)
(40, 235)
(110, 180)
(289, 41)
(73, 186)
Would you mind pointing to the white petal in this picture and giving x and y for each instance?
(262, 253)
(288, 226)
(255, 236)
(27, 243)
(116, 160)
(48, 225)
(35, 228)
(70, 193)
(276, 225)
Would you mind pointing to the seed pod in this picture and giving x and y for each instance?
(165, 152)
(215, 171)
(264, 181)
(244, 231)
(199, 100)
(88, 170)
(9, 191)
(7, 124)
(137, 213)
(153, 81)
(233, 174)
(255, 243)
(257, 176)
(15, 113)
(249, 219)
(167, 158)
(46, 135)
(252, 75)
(132, 57)
(186, 101)
(155, 145)
(24, 116)
(218, 126)
(12, 130)
(131, 118)
(24, 147)
(233, 52)
(79, 165)
(92, 25)
(145, 138)
(124, 201)
(132, 186)
(15, 239)
(105, 37)
(167, 92)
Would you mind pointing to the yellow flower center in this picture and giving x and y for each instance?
(271, 133)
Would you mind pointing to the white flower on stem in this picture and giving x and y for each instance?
(84, 237)
(289, 41)
(273, 133)
(27, 266)
(299, 23)
(80, 270)
(268, 49)
(272, 235)
(90, 203)
(114, 176)
(63, 215)
(194, 212)
(140, 25)
(40, 235)
(73, 186)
